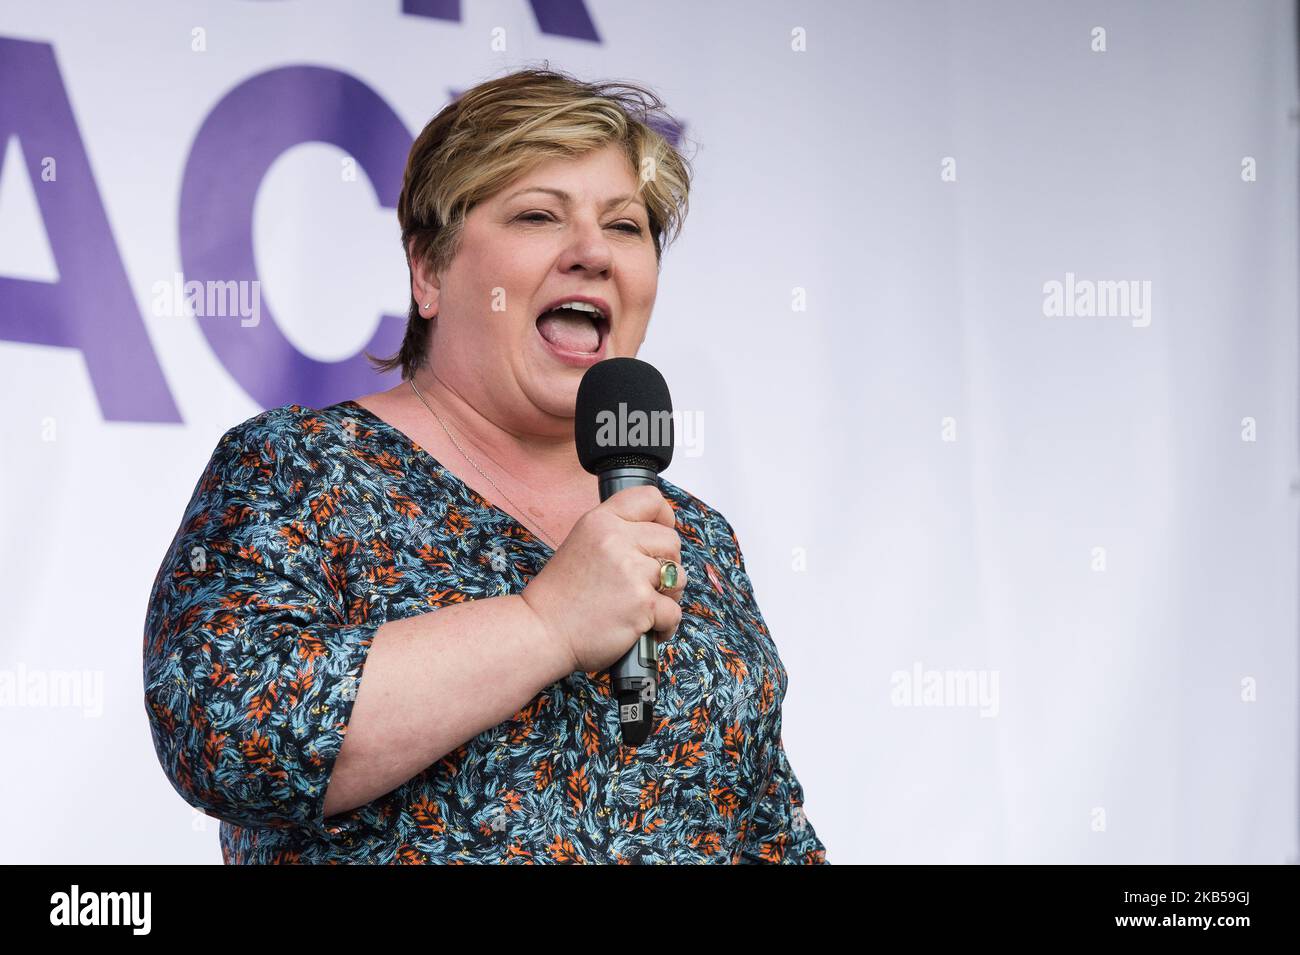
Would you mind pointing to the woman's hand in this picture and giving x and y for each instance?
(596, 596)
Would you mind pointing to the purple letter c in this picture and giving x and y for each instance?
(244, 134)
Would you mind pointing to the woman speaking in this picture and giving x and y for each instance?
(382, 631)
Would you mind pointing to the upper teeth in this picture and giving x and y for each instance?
(582, 307)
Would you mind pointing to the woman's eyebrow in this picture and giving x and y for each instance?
(566, 198)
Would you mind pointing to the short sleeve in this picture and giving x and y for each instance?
(779, 832)
(251, 664)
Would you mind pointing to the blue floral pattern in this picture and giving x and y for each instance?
(306, 532)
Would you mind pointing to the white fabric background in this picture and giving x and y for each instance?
(1118, 690)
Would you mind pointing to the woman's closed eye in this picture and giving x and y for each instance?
(631, 228)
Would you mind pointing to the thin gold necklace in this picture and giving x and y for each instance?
(518, 510)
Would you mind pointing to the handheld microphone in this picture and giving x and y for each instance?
(623, 429)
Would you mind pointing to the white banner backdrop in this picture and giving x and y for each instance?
(988, 311)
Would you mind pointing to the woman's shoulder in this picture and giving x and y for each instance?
(291, 422)
(705, 528)
(284, 449)
(697, 518)
(296, 429)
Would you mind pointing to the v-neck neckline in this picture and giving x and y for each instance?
(451, 476)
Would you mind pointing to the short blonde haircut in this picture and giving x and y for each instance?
(502, 129)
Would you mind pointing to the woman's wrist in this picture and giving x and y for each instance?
(542, 643)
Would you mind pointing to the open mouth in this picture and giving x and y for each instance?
(574, 328)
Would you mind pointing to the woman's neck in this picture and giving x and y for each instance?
(544, 465)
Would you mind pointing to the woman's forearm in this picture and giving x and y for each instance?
(434, 681)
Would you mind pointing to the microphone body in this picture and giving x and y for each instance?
(633, 680)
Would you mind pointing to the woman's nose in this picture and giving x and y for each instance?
(588, 248)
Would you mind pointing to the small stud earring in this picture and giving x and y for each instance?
(427, 304)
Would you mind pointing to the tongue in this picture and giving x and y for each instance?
(569, 330)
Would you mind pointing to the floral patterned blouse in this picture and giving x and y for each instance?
(307, 531)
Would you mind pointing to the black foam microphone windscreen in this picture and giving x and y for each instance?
(623, 417)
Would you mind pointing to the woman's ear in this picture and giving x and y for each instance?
(424, 284)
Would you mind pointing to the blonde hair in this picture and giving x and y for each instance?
(502, 129)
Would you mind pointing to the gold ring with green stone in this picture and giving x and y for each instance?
(668, 575)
